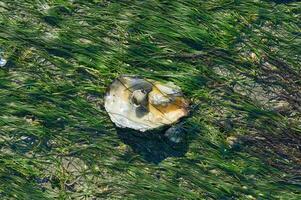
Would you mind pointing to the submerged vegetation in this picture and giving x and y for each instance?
(239, 61)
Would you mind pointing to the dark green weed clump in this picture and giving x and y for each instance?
(237, 60)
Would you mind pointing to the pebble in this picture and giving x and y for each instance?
(2, 62)
(232, 140)
(175, 133)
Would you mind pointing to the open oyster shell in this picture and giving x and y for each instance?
(144, 104)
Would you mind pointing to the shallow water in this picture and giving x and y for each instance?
(237, 61)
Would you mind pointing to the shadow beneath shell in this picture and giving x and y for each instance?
(153, 146)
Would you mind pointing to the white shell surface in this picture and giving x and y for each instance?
(165, 104)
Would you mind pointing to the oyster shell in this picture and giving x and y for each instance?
(144, 104)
